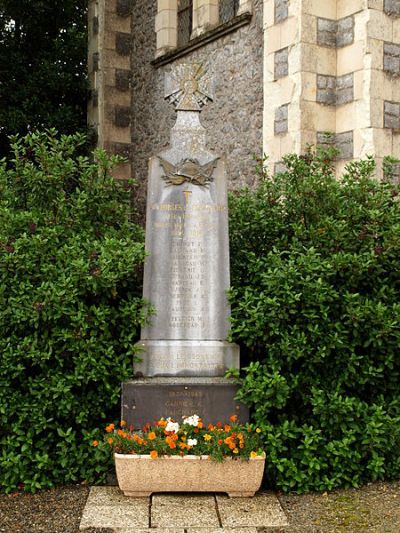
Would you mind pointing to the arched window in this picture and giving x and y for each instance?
(227, 10)
(185, 21)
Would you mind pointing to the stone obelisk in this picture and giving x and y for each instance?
(184, 353)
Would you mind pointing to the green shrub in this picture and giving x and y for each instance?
(316, 308)
(70, 308)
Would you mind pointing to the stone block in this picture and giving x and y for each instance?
(281, 120)
(392, 7)
(262, 510)
(391, 58)
(123, 43)
(122, 117)
(349, 7)
(326, 90)
(124, 8)
(281, 11)
(183, 511)
(350, 58)
(147, 400)
(345, 32)
(326, 32)
(392, 115)
(123, 79)
(95, 25)
(345, 89)
(344, 143)
(96, 61)
(122, 149)
(281, 63)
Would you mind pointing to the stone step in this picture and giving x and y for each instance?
(108, 510)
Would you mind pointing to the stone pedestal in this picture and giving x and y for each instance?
(147, 400)
(183, 349)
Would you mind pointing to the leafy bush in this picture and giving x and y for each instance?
(316, 307)
(70, 308)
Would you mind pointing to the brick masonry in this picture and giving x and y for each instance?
(332, 90)
(392, 115)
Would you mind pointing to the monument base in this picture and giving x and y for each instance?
(186, 358)
(149, 399)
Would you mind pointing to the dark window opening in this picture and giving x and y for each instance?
(185, 21)
(227, 10)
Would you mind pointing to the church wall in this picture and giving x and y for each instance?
(233, 120)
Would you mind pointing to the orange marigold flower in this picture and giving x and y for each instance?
(241, 445)
(253, 455)
(235, 450)
(210, 427)
(196, 430)
(227, 440)
(233, 418)
(162, 423)
(220, 442)
(232, 446)
(154, 454)
(227, 427)
(151, 435)
(183, 446)
(122, 423)
(240, 436)
(219, 425)
(172, 445)
(110, 428)
(122, 433)
(200, 425)
(95, 443)
(110, 440)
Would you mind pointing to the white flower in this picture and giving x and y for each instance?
(192, 442)
(172, 426)
(192, 420)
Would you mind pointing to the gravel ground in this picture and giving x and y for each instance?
(373, 508)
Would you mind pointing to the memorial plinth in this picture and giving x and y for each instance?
(186, 276)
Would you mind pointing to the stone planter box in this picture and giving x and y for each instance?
(140, 476)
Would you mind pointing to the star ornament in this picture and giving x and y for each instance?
(189, 88)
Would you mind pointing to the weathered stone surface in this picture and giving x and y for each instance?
(124, 8)
(264, 510)
(122, 117)
(392, 7)
(344, 143)
(281, 10)
(236, 61)
(326, 32)
(123, 43)
(123, 79)
(281, 63)
(345, 32)
(281, 120)
(391, 58)
(96, 61)
(326, 90)
(107, 507)
(345, 89)
(392, 115)
(183, 511)
(147, 400)
(123, 149)
(95, 25)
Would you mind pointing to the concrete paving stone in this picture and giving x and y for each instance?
(264, 510)
(184, 511)
(223, 530)
(107, 507)
(130, 530)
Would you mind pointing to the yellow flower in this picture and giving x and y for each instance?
(235, 450)
(258, 430)
(207, 437)
(253, 455)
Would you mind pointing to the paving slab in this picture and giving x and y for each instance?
(184, 511)
(108, 508)
(223, 530)
(264, 510)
